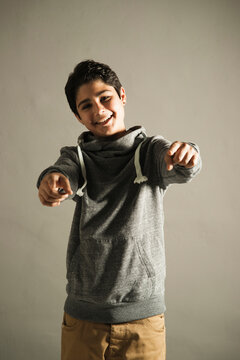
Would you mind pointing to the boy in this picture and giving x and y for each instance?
(115, 259)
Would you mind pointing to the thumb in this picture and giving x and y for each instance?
(64, 184)
(169, 162)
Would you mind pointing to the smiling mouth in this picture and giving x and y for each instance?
(104, 122)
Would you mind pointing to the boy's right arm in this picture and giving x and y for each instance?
(58, 182)
(48, 191)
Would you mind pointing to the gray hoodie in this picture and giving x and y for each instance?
(116, 258)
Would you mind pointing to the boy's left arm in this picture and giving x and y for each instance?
(183, 154)
(179, 162)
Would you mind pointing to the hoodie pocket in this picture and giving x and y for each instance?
(111, 271)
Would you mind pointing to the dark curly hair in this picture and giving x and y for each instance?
(86, 71)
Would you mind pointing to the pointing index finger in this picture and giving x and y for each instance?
(65, 186)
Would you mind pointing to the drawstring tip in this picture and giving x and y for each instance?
(79, 192)
(140, 180)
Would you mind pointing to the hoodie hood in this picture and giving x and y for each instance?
(105, 148)
(110, 148)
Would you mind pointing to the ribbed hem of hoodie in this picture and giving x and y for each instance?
(113, 314)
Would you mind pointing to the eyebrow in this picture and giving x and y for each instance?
(86, 100)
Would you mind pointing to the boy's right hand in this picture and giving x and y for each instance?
(48, 191)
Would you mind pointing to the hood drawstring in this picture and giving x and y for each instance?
(140, 178)
(83, 168)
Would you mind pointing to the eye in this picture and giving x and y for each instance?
(86, 106)
(106, 98)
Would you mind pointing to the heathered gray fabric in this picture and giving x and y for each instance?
(116, 258)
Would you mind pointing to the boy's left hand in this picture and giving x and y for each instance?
(181, 153)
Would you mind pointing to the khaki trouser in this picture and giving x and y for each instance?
(136, 340)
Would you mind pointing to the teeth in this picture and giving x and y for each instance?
(100, 122)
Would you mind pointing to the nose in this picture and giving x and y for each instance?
(98, 108)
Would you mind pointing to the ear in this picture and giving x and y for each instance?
(78, 118)
(123, 96)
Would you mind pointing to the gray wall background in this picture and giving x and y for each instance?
(179, 63)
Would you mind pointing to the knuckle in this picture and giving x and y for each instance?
(194, 161)
(176, 144)
(195, 157)
(186, 146)
(173, 145)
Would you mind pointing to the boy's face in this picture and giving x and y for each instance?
(100, 109)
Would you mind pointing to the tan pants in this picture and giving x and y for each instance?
(136, 340)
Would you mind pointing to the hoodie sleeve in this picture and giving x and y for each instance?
(179, 174)
(68, 165)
